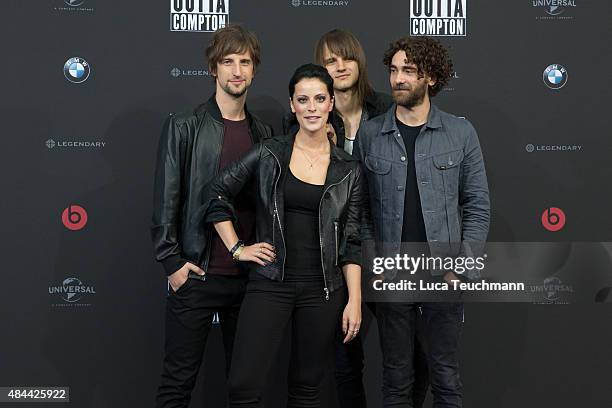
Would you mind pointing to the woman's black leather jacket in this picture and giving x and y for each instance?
(266, 164)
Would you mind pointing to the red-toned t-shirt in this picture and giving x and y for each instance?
(236, 142)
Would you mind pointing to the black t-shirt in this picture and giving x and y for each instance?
(413, 228)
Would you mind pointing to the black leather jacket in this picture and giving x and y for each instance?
(339, 209)
(187, 160)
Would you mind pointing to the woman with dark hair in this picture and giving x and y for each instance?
(308, 208)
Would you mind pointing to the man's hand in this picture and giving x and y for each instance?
(449, 277)
(178, 278)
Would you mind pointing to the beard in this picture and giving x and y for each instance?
(409, 98)
(236, 93)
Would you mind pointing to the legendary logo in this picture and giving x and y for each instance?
(77, 70)
(75, 144)
(198, 16)
(319, 3)
(74, 217)
(553, 148)
(555, 76)
(71, 291)
(553, 219)
(74, 3)
(438, 18)
(177, 72)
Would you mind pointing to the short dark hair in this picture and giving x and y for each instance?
(232, 39)
(311, 71)
(347, 46)
(428, 54)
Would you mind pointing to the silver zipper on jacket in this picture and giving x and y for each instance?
(336, 236)
(325, 289)
(280, 227)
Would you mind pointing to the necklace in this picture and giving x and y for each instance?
(311, 162)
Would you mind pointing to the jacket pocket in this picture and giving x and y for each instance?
(377, 165)
(449, 160)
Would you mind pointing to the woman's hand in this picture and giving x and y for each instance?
(260, 252)
(351, 320)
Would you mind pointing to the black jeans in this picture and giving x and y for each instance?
(441, 330)
(189, 316)
(267, 309)
(349, 367)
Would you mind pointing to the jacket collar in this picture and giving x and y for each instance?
(339, 165)
(433, 119)
(212, 108)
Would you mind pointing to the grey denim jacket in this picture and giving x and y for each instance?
(451, 179)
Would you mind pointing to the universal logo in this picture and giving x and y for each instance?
(72, 6)
(438, 18)
(75, 144)
(554, 291)
(319, 3)
(530, 148)
(198, 16)
(555, 76)
(180, 72)
(554, 9)
(77, 70)
(73, 293)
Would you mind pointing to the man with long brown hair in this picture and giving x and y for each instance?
(202, 276)
(342, 55)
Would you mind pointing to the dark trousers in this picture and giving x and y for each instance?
(349, 367)
(440, 333)
(189, 316)
(267, 309)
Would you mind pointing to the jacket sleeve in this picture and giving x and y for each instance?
(219, 195)
(353, 226)
(367, 226)
(167, 194)
(474, 198)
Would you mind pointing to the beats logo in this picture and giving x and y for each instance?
(553, 219)
(74, 217)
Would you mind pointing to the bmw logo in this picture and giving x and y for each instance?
(76, 70)
(555, 76)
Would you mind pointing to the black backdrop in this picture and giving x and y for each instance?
(543, 147)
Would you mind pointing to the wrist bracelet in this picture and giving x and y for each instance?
(237, 252)
(235, 248)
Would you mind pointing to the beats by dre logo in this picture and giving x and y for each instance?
(74, 217)
(553, 219)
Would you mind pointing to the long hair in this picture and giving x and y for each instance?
(346, 45)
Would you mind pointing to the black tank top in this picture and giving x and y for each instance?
(303, 262)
